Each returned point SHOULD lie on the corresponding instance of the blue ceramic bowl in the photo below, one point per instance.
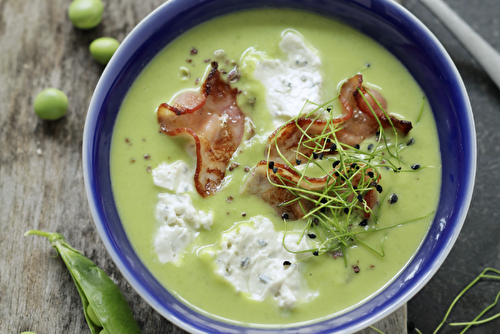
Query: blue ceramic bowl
(383, 20)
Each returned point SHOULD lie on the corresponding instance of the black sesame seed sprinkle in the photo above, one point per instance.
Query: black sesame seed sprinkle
(333, 148)
(271, 164)
(311, 235)
(315, 155)
(275, 170)
(379, 188)
(410, 142)
(370, 147)
(357, 147)
(370, 174)
(346, 210)
(315, 253)
(364, 222)
(394, 198)
(335, 163)
(321, 156)
(415, 167)
(287, 263)
(360, 197)
(298, 162)
(284, 216)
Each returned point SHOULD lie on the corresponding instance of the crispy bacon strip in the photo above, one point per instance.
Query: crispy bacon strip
(266, 183)
(215, 123)
(359, 123)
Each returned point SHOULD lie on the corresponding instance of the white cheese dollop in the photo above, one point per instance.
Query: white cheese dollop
(178, 219)
(290, 83)
(251, 257)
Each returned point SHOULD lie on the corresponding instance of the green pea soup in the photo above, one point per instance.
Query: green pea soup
(138, 147)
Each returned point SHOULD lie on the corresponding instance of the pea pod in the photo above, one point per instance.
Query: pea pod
(96, 290)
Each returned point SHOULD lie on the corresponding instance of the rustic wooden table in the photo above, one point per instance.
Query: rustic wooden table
(41, 183)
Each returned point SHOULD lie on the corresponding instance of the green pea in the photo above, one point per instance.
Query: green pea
(93, 317)
(102, 49)
(85, 14)
(51, 104)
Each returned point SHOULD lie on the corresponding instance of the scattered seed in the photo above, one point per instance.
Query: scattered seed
(356, 269)
(379, 188)
(335, 163)
(243, 214)
(298, 162)
(284, 216)
(275, 170)
(287, 263)
(410, 142)
(364, 222)
(315, 253)
(415, 167)
(312, 235)
(370, 147)
(271, 164)
(147, 156)
(357, 147)
(394, 198)
(193, 51)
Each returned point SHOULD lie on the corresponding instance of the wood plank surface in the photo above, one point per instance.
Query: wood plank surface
(41, 181)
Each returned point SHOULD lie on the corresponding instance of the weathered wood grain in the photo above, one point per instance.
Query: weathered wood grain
(41, 182)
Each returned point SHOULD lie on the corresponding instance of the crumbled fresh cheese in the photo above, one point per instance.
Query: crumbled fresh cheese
(175, 177)
(175, 213)
(252, 258)
(290, 83)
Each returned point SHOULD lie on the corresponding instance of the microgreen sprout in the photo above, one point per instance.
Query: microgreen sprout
(335, 204)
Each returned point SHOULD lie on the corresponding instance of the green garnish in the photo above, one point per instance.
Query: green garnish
(337, 213)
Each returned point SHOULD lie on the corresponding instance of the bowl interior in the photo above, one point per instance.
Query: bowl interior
(389, 24)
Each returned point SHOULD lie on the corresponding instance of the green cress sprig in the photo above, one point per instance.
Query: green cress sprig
(486, 274)
(106, 309)
(333, 220)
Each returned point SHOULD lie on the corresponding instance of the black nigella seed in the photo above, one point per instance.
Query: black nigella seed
(354, 187)
(311, 235)
(379, 188)
(415, 167)
(271, 164)
(346, 210)
(377, 133)
(337, 174)
(321, 156)
(371, 174)
(343, 177)
(357, 147)
(333, 148)
(353, 165)
(335, 163)
(394, 198)
(284, 216)
(364, 222)
(275, 170)
(360, 197)
(298, 162)
(315, 155)
(329, 109)
(315, 253)
(328, 140)
(410, 142)
(287, 263)
(322, 210)
(370, 147)
(315, 221)
(323, 200)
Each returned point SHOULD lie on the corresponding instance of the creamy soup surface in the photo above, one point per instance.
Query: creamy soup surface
(247, 40)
